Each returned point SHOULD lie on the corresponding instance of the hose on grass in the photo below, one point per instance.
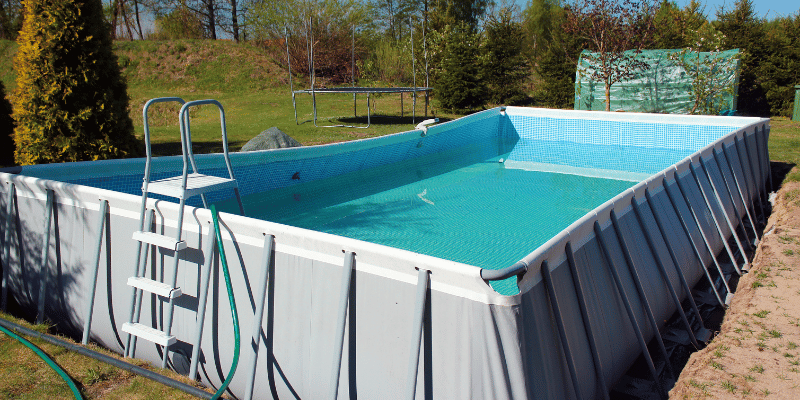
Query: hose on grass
(75, 391)
(234, 312)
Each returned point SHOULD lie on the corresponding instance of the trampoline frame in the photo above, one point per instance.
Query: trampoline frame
(354, 90)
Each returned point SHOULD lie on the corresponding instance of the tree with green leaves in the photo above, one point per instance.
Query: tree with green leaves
(504, 66)
(71, 103)
(6, 129)
(711, 70)
(616, 32)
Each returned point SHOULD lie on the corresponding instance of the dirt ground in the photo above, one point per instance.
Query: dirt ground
(757, 351)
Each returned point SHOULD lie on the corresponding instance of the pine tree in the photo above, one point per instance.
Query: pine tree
(504, 66)
(71, 103)
(459, 85)
(6, 128)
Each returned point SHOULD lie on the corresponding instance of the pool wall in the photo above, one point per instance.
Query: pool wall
(476, 343)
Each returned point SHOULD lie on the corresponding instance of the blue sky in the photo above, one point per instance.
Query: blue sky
(763, 8)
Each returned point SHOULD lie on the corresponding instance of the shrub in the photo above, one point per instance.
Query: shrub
(71, 103)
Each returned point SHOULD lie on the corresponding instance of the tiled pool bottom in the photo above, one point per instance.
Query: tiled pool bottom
(484, 214)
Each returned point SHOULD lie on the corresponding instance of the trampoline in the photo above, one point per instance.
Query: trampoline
(356, 90)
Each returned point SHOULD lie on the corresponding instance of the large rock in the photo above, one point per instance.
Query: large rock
(272, 138)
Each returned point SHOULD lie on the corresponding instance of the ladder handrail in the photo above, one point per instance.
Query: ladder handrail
(145, 120)
(186, 134)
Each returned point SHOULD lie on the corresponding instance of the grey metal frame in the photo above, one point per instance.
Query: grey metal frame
(12, 189)
(101, 222)
(48, 217)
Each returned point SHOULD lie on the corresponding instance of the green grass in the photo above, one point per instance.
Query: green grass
(784, 144)
(254, 91)
(26, 376)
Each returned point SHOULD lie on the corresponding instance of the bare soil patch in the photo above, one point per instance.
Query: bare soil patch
(757, 351)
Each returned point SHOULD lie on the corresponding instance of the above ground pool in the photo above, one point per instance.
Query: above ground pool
(547, 245)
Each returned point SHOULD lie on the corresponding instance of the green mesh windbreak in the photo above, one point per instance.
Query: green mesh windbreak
(666, 86)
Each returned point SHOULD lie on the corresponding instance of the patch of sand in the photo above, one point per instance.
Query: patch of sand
(757, 351)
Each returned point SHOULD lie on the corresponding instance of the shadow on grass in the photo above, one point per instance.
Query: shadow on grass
(381, 120)
(780, 171)
(174, 148)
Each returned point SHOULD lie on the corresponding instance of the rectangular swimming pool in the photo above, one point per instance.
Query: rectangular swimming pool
(580, 210)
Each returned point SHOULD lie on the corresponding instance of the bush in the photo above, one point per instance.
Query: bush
(6, 128)
(71, 103)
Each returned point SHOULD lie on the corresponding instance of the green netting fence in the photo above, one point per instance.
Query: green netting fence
(671, 83)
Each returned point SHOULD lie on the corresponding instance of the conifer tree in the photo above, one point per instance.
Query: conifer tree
(459, 85)
(504, 66)
(71, 101)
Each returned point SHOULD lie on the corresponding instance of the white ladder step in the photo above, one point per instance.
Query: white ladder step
(195, 184)
(160, 288)
(159, 240)
(148, 333)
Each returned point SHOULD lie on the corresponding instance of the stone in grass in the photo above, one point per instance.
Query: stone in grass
(272, 138)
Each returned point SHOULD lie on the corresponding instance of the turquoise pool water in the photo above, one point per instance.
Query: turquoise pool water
(483, 213)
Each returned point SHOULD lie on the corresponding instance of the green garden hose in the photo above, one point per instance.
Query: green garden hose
(47, 359)
(234, 313)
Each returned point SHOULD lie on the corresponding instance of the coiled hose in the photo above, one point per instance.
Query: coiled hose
(75, 391)
(234, 313)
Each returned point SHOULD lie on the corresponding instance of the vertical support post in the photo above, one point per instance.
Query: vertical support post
(716, 221)
(626, 253)
(598, 232)
(729, 190)
(710, 250)
(87, 325)
(752, 173)
(671, 252)
(338, 347)
(261, 293)
(651, 245)
(551, 293)
(48, 216)
(725, 213)
(10, 200)
(202, 299)
(416, 333)
(738, 187)
(755, 159)
(587, 323)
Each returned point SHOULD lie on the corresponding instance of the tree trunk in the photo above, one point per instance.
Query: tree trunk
(234, 21)
(212, 19)
(608, 96)
(114, 18)
(138, 20)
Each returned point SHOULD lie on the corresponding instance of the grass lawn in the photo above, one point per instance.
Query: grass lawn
(784, 146)
(26, 376)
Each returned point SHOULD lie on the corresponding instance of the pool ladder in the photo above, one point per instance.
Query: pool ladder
(181, 187)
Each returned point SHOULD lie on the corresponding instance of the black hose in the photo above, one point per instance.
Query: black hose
(110, 360)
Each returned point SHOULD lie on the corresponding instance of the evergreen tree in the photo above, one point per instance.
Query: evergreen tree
(743, 30)
(71, 103)
(505, 68)
(6, 128)
(459, 85)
